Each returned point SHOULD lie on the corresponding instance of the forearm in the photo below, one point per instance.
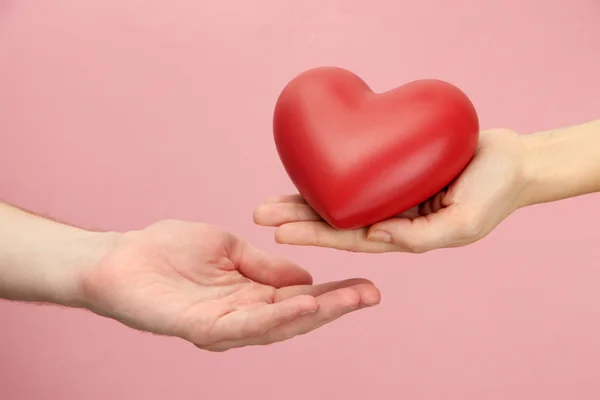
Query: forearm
(40, 259)
(562, 163)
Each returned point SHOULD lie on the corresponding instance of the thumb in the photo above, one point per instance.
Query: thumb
(269, 269)
(447, 227)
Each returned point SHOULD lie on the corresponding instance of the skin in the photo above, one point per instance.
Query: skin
(188, 280)
(509, 171)
(204, 285)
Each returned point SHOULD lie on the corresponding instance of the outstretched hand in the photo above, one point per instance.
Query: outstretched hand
(206, 286)
(489, 189)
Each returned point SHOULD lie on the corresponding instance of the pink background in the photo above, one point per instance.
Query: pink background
(116, 113)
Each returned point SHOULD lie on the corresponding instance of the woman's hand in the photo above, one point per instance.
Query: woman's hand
(493, 185)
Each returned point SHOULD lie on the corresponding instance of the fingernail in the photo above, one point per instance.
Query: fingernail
(308, 312)
(380, 236)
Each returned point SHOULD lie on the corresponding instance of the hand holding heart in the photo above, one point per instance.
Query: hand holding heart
(487, 191)
(378, 172)
(358, 157)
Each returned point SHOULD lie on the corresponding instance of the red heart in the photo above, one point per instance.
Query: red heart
(359, 157)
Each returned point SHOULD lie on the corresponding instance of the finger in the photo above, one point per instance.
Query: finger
(268, 269)
(332, 305)
(257, 321)
(447, 227)
(432, 205)
(438, 202)
(321, 234)
(276, 214)
(369, 294)
(287, 198)
(410, 213)
(425, 208)
(304, 325)
(275, 337)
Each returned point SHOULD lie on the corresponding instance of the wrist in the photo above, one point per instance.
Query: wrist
(79, 253)
(42, 260)
(533, 145)
(561, 163)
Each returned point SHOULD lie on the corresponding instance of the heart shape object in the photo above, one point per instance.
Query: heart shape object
(359, 157)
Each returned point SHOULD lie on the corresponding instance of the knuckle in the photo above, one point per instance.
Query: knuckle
(297, 211)
(317, 235)
(215, 348)
(497, 131)
(414, 245)
(353, 244)
(165, 223)
(415, 248)
(471, 228)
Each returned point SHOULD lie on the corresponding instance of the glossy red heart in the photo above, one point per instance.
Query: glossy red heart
(359, 157)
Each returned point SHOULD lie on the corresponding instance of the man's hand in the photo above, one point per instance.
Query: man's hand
(491, 187)
(174, 278)
(207, 286)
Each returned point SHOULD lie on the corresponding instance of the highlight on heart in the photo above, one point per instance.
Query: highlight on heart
(358, 157)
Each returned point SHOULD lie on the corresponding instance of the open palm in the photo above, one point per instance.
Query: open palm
(206, 286)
